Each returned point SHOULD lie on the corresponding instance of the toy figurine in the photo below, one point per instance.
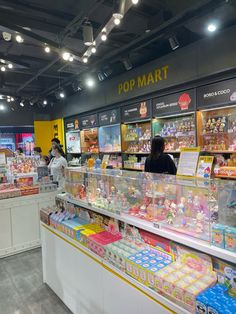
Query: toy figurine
(200, 218)
(171, 215)
(181, 206)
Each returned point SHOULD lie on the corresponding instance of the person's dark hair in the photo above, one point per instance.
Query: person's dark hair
(59, 148)
(38, 150)
(56, 140)
(20, 150)
(157, 147)
(47, 160)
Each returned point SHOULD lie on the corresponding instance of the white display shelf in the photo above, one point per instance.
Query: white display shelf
(149, 226)
(147, 291)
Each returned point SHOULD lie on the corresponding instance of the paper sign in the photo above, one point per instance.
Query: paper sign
(204, 168)
(188, 161)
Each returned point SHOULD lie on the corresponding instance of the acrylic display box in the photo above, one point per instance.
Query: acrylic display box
(178, 131)
(109, 139)
(188, 206)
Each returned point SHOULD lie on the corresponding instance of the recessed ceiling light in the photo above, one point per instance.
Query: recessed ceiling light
(10, 65)
(47, 49)
(93, 49)
(2, 107)
(90, 82)
(211, 28)
(3, 68)
(19, 39)
(66, 56)
(104, 36)
(85, 59)
(135, 1)
(22, 104)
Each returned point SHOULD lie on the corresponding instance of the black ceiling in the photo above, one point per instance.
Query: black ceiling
(59, 23)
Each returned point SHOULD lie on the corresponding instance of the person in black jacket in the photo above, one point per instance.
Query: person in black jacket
(158, 162)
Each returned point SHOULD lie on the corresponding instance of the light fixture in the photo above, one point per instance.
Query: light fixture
(118, 16)
(71, 59)
(101, 76)
(62, 94)
(31, 103)
(45, 102)
(94, 49)
(8, 99)
(19, 39)
(116, 21)
(3, 68)
(22, 104)
(2, 61)
(47, 49)
(211, 28)
(6, 36)
(2, 107)
(12, 98)
(104, 36)
(88, 34)
(76, 85)
(174, 43)
(90, 82)
(135, 1)
(127, 64)
(107, 71)
(10, 65)
(66, 56)
(85, 59)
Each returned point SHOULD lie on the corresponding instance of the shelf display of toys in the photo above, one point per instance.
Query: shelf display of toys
(136, 137)
(179, 132)
(217, 129)
(9, 190)
(25, 165)
(3, 174)
(109, 139)
(89, 140)
(133, 162)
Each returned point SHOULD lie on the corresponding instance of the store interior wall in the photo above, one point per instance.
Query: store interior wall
(187, 67)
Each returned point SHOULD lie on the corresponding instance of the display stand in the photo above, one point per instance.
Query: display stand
(19, 222)
(88, 284)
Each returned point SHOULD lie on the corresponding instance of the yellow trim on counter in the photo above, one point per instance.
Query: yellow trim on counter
(107, 268)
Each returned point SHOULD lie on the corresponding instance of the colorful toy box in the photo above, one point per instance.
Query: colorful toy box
(88, 231)
(224, 237)
(143, 265)
(215, 300)
(96, 242)
(73, 227)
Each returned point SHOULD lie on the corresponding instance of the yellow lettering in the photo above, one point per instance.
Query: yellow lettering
(142, 81)
(165, 69)
(126, 86)
(158, 75)
(120, 88)
(150, 78)
(132, 84)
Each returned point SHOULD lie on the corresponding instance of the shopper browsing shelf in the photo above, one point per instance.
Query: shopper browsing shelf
(55, 141)
(158, 162)
(57, 165)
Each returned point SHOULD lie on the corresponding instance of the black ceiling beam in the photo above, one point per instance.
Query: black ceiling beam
(14, 59)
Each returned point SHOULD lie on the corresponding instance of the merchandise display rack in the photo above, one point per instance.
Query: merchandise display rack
(163, 301)
(156, 229)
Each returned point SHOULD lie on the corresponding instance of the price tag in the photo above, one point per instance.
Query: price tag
(156, 225)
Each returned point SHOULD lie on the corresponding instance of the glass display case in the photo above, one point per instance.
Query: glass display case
(178, 132)
(109, 139)
(89, 140)
(73, 142)
(190, 207)
(136, 138)
(217, 130)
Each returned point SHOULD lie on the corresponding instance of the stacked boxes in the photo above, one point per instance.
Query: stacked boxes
(224, 237)
(117, 253)
(215, 300)
(183, 283)
(73, 227)
(88, 231)
(143, 265)
(96, 242)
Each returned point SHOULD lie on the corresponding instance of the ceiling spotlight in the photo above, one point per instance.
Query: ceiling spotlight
(2, 61)
(62, 94)
(45, 102)
(22, 104)
(6, 36)
(118, 16)
(10, 65)
(90, 82)
(116, 20)
(19, 39)
(66, 56)
(71, 59)
(88, 34)
(31, 103)
(3, 68)
(104, 36)
(135, 1)
(94, 49)
(12, 98)
(2, 107)
(127, 64)
(8, 99)
(211, 28)
(47, 49)
(85, 59)
(174, 43)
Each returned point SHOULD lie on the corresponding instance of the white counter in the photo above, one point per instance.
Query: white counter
(19, 222)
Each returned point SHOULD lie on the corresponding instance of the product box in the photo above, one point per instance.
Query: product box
(73, 227)
(230, 239)
(88, 230)
(218, 235)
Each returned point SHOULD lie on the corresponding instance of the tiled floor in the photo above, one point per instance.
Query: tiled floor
(21, 287)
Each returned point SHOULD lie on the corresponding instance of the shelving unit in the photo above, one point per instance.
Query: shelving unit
(156, 229)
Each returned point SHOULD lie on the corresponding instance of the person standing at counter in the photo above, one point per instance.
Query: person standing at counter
(57, 165)
(158, 162)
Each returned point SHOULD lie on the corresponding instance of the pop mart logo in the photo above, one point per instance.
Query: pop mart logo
(144, 80)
